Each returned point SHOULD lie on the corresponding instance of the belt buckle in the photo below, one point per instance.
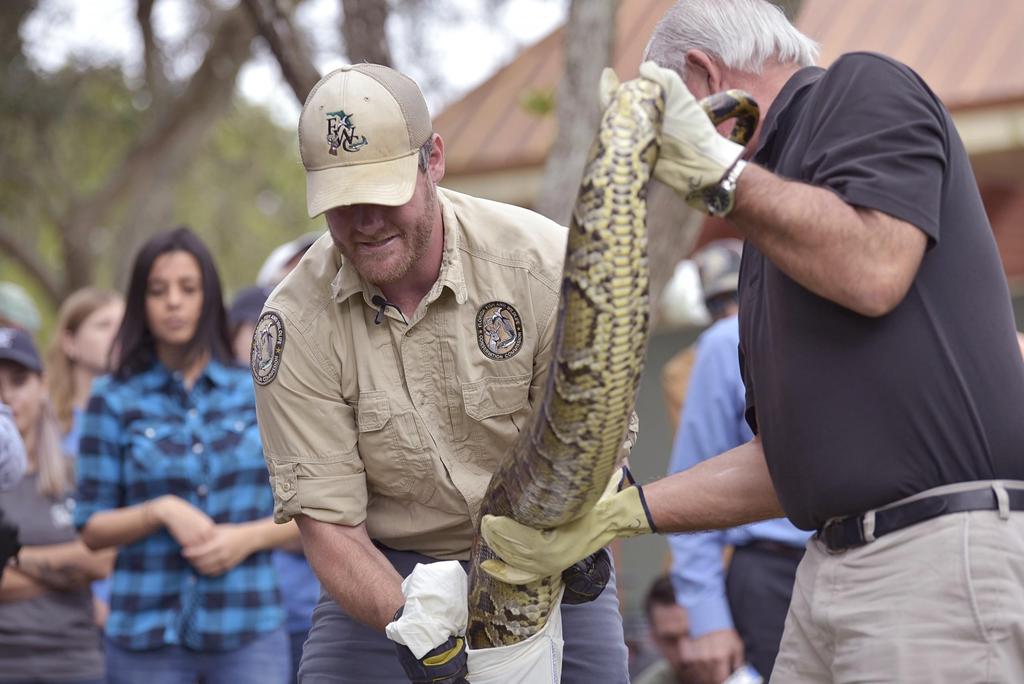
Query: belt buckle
(834, 529)
(829, 531)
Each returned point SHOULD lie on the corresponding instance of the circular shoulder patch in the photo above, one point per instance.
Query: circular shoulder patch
(267, 346)
(499, 330)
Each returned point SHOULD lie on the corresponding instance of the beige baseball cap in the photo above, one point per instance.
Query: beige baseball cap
(360, 132)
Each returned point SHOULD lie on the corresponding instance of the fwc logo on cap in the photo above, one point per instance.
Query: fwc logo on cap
(7, 337)
(341, 132)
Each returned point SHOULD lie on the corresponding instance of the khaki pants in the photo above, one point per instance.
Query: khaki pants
(940, 601)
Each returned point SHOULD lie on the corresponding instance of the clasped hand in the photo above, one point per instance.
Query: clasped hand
(211, 548)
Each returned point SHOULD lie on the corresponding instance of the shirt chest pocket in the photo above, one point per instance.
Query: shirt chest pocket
(156, 451)
(496, 411)
(394, 447)
(236, 438)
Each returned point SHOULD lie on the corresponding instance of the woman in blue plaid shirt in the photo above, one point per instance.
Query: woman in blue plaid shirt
(171, 471)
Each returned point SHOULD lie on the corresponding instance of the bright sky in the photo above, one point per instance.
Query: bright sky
(466, 53)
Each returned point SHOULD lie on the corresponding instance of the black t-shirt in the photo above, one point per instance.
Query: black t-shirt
(856, 412)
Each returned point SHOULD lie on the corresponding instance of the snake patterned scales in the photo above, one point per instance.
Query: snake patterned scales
(566, 454)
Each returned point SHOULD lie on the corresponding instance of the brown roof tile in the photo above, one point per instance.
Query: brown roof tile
(966, 51)
(489, 129)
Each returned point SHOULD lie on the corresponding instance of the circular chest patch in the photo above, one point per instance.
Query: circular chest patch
(499, 330)
(267, 346)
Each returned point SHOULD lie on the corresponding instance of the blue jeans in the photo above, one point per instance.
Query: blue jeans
(265, 659)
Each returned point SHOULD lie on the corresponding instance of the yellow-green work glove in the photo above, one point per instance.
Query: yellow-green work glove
(693, 157)
(531, 554)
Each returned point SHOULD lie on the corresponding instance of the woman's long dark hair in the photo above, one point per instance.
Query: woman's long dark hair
(135, 342)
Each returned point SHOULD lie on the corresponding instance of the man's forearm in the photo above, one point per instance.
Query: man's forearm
(861, 259)
(353, 571)
(730, 489)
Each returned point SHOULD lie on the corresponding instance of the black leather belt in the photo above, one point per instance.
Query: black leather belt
(774, 547)
(848, 533)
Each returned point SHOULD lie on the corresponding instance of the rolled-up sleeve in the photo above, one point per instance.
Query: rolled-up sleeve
(309, 434)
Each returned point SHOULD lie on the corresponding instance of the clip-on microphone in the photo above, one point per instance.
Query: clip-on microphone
(381, 305)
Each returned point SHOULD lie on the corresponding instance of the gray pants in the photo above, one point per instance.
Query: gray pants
(759, 586)
(340, 650)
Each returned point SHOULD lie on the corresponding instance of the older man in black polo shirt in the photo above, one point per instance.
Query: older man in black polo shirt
(884, 384)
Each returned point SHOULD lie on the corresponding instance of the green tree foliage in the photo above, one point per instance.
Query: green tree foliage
(246, 192)
(63, 134)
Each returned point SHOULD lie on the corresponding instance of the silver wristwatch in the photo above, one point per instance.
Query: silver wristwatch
(720, 199)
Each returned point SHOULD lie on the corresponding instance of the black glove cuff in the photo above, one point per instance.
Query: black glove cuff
(586, 579)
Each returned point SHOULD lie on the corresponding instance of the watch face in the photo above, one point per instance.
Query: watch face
(718, 200)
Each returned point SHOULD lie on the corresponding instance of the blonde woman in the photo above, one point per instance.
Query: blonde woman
(80, 351)
(46, 618)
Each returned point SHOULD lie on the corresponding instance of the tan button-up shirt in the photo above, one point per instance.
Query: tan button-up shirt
(401, 424)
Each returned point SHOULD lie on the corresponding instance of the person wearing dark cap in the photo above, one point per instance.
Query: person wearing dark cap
(46, 612)
(394, 368)
(242, 315)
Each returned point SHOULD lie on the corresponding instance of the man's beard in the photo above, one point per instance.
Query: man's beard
(416, 241)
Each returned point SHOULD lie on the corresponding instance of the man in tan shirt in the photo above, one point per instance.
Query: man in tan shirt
(396, 365)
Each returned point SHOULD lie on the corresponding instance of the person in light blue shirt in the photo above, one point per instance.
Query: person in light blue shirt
(736, 614)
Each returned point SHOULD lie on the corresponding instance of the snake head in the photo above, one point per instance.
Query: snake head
(609, 84)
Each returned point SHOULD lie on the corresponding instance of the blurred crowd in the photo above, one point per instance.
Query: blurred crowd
(136, 530)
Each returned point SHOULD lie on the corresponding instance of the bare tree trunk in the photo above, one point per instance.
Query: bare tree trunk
(156, 77)
(289, 48)
(144, 181)
(589, 39)
(364, 29)
(12, 13)
(672, 231)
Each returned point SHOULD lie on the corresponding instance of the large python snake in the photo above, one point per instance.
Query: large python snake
(565, 456)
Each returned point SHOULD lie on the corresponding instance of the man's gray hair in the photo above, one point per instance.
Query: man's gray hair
(741, 34)
(425, 151)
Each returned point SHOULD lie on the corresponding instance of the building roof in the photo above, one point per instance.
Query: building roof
(966, 51)
(490, 128)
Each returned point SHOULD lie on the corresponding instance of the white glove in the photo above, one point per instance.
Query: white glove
(693, 155)
(435, 607)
